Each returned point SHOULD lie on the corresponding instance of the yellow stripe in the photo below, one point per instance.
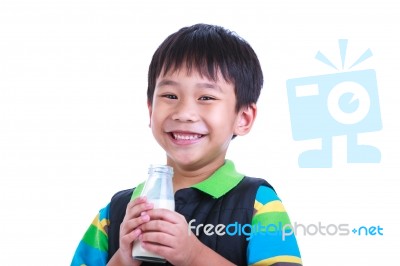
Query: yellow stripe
(276, 259)
(101, 225)
(257, 205)
(273, 206)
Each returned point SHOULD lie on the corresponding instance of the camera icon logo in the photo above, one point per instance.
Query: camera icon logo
(344, 103)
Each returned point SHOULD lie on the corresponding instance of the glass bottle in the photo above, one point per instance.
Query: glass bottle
(158, 190)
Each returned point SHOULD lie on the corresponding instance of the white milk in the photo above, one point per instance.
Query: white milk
(138, 252)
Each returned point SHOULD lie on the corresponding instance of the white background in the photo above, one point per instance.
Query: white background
(74, 123)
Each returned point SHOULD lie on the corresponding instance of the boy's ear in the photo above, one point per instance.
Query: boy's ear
(245, 120)
(149, 106)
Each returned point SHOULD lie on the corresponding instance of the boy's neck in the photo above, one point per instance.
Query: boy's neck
(187, 177)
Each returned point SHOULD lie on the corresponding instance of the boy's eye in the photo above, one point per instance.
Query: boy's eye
(206, 98)
(170, 96)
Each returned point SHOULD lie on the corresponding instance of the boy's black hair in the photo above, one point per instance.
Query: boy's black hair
(209, 49)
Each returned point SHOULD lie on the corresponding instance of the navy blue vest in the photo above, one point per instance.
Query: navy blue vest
(236, 206)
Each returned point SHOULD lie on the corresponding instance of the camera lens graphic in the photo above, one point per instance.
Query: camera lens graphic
(348, 102)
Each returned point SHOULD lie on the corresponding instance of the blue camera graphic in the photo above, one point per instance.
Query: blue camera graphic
(344, 103)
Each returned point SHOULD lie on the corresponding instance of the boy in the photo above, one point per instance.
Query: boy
(203, 85)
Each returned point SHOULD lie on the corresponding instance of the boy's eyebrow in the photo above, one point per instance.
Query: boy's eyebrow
(207, 85)
(166, 82)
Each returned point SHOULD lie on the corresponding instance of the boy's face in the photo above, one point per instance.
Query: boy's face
(194, 118)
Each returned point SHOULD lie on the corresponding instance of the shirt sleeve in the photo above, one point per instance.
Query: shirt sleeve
(272, 241)
(93, 248)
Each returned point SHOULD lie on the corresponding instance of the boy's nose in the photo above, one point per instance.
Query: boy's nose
(185, 112)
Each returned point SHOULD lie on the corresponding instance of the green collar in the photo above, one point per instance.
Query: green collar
(218, 184)
(221, 181)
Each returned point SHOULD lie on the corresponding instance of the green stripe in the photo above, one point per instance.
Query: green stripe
(137, 191)
(279, 219)
(96, 238)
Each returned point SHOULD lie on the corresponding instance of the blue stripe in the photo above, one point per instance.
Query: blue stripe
(265, 195)
(268, 245)
(88, 255)
(104, 213)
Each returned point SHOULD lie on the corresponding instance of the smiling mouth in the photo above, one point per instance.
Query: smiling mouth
(185, 136)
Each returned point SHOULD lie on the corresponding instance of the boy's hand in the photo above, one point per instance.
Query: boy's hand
(129, 231)
(166, 234)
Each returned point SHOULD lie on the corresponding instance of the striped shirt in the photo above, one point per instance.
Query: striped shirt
(271, 239)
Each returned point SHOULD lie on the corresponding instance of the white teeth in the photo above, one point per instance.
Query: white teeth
(186, 136)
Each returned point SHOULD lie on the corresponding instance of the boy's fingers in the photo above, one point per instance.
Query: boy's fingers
(157, 239)
(166, 215)
(130, 225)
(156, 226)
(136, 207)
(127, 239)
(137, 201)
(134, 223)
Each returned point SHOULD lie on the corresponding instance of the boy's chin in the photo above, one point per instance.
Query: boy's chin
(195, 163)
(184, 162)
